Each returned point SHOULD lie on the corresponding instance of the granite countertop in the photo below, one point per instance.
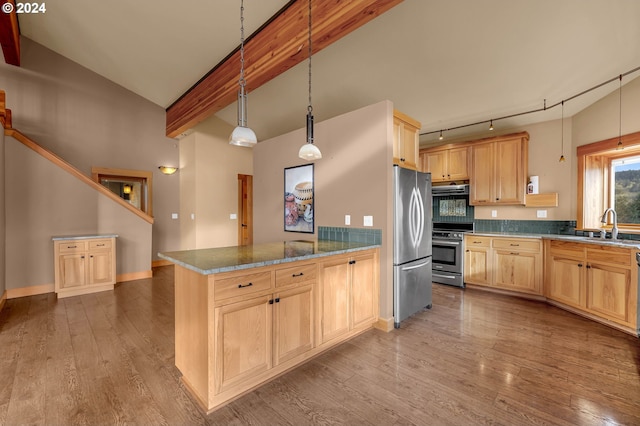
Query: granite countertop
(589, 240)
(224, 259)
(83, 237)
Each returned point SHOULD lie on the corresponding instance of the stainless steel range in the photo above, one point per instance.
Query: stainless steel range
(448, 252)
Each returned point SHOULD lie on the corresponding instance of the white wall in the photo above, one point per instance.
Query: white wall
(209, 168)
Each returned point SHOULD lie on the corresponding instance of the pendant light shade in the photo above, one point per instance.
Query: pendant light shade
(242, 135)
(309, 151)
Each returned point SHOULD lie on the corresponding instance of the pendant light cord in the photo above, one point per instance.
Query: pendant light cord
(242, 81)
(310, 108)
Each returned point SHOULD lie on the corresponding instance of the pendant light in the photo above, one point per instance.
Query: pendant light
(561, 160)
(242, 135)
(620, 116)
(309, 151)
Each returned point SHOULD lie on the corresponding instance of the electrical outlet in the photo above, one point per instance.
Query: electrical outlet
(368, 221)
(541, 213)
(193, 216)
(233, 216)
(174, 215)
(347, 219)
(494, 213)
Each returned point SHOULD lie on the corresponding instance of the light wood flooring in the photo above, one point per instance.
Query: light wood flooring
(475, 358)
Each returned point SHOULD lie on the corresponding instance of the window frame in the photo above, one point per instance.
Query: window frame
(594, 171)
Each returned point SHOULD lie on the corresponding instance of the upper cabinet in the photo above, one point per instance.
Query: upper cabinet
(449, 164)
(405, 140)
(499, 170)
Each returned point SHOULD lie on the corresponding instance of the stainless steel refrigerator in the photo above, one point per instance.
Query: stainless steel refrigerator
(412, 229)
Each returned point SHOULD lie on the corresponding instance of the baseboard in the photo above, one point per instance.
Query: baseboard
(34, 290)
(160, 262)
(131, 276)
(3, 300)
(384, 324)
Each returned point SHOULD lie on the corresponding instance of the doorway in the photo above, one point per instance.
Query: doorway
(245, 210)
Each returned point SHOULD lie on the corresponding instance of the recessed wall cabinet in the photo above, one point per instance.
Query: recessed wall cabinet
(512, 264)
(405, 140)
(450, 164)
(85, 264)
(596, 281)
(499, 170)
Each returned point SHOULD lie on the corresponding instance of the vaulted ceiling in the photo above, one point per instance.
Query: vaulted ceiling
(444, 62)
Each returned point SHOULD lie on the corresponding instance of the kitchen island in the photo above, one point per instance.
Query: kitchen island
(244, 315)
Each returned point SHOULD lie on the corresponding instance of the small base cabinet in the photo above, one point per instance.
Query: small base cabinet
(510, 264)
(84, 265)
(236, 330)
(597, 281)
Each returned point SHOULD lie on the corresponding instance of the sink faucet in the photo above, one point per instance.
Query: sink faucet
(614, 229)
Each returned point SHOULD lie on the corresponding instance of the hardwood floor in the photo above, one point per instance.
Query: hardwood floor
(475, 358)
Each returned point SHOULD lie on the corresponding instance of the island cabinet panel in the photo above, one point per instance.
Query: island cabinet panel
(84, 265)
(242, 341)
(597, 281)
(236, 330)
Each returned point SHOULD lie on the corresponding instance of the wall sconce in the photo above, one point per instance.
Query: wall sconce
(168, 170)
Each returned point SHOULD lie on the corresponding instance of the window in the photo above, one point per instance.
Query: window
(625, 189)
(609, 177)
(133, 186)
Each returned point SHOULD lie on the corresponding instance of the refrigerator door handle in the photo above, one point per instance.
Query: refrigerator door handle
(408, 268)
(416, 219)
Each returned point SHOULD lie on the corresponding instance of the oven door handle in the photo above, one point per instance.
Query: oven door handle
(451, 277)
(447, 243)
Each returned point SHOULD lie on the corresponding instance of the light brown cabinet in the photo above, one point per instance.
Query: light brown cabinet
(238, 329)
(499, 170)
(597, 280)
(405, 140)
(446, 164)
(512, 264)
(84, 265)
(348, 299)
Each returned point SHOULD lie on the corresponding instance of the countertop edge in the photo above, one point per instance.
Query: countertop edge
(596, 241)
(265, 263)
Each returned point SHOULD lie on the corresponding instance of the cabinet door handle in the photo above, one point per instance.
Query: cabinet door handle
(100, 245)
(514, 245)
(477, 242)
(72, 246)
(297, 275)
(245, 285)
(515, 254)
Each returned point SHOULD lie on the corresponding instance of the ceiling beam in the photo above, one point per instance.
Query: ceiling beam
(273, 49)
(10, 34)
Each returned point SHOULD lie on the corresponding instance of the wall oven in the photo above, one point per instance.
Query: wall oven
(448, 252)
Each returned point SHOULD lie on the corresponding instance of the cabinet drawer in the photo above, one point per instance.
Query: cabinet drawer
(241, 285)
(608, 254)
(475, 241)
(72, 246)
(100, 244)
(567, 248)
(296, 274)
(517, 244)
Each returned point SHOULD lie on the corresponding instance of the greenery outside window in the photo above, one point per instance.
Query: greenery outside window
(609, 177)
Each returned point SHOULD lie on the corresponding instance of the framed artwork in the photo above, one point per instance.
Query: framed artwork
(298, 199)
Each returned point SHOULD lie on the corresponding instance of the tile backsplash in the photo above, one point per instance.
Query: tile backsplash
(563, 227)
(359, 235)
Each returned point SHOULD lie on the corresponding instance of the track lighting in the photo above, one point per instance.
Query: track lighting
(441, 137)
(561, 160)
(491, 125)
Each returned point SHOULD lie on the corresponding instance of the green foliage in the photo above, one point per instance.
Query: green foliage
(627, 196)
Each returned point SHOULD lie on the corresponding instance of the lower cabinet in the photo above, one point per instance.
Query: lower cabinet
(84, 265)
(348, 295)
(236, 330)
(597, 280)
(513, 264)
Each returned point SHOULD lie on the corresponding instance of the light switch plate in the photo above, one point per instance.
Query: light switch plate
(541, 213)
(174, 215)
(347, 219)
(494, 213)
(233, 216)
(368, 221)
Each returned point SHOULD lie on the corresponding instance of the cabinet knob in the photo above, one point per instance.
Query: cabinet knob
(351, 262)
(402, 159)
(579, 265)
(588, 266)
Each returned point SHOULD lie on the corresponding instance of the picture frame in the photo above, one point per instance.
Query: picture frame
(299, 207)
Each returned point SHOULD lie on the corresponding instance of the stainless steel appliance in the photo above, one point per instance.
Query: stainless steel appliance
(449, 190)
(448, 252)
(411, 243)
